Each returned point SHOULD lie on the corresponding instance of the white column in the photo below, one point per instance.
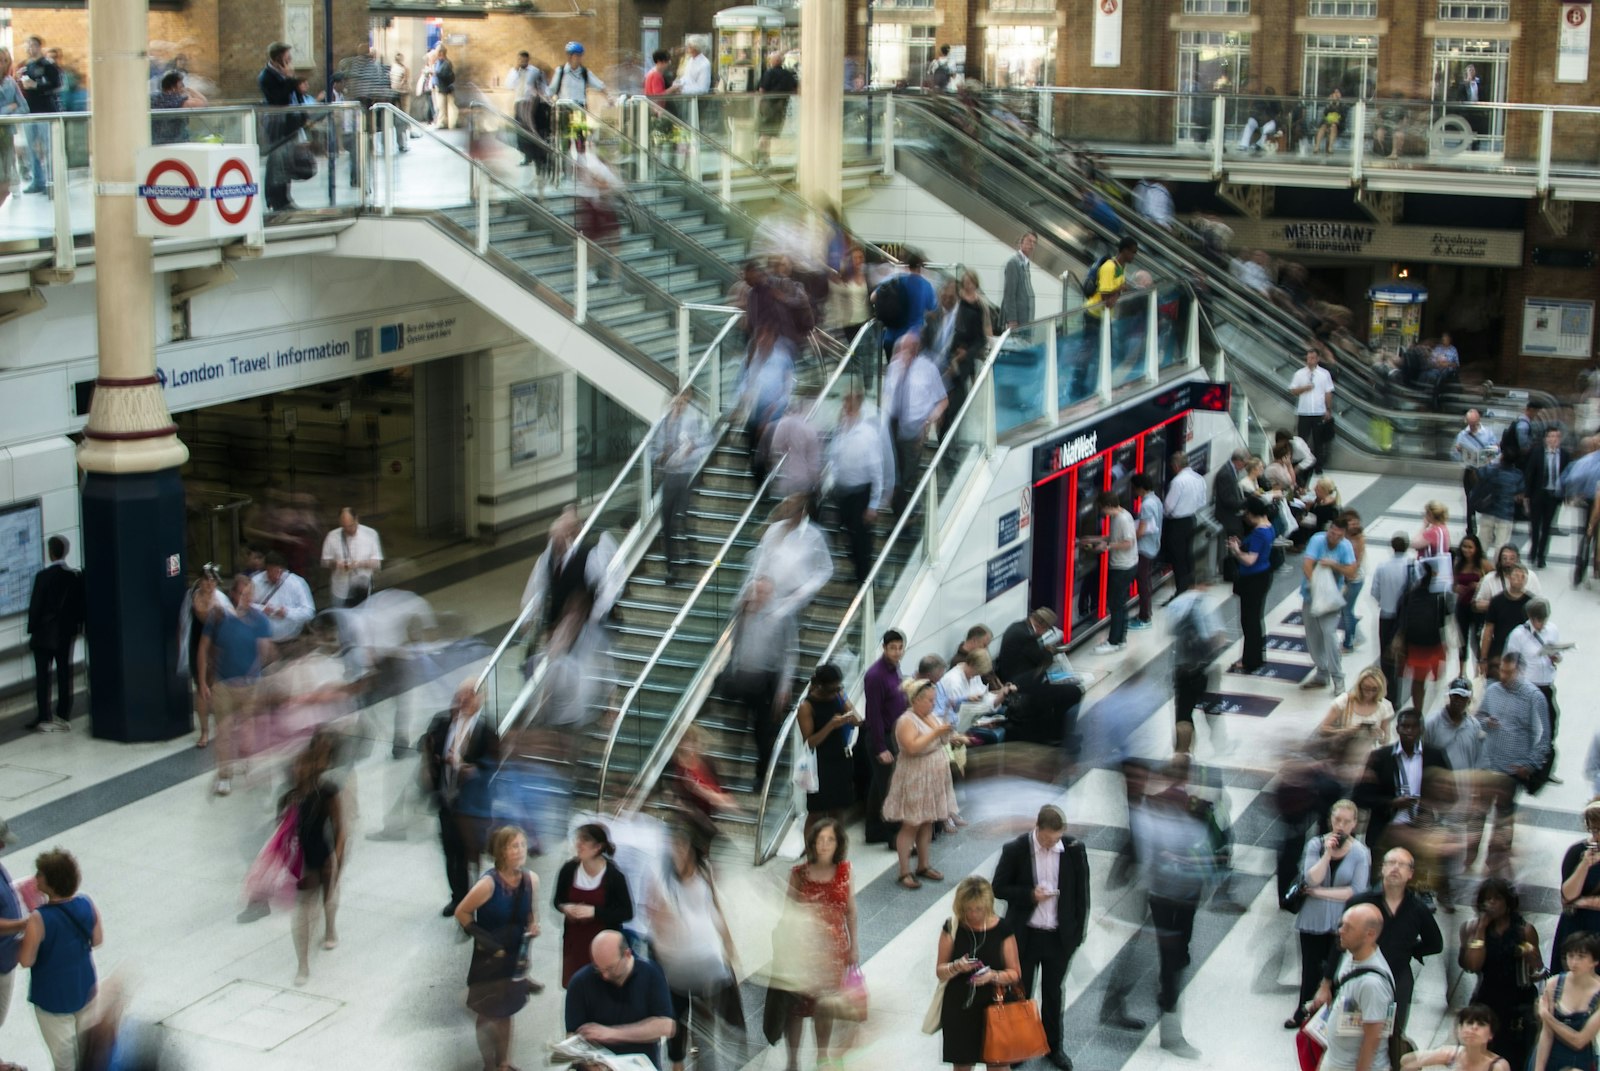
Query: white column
(821, 101)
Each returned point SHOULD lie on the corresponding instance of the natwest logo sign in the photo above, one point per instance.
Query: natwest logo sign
(199, 191)
(1073, 451)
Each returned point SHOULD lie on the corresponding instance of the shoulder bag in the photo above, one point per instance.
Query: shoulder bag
(1012, 1029)
(1312, 1040)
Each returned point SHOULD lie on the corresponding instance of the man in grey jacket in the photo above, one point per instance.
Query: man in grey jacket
(1516, 747)
(1016, 305)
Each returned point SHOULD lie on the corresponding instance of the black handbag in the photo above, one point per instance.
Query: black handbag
(302, 162)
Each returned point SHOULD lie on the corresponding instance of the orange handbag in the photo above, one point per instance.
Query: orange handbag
(1013, 1031)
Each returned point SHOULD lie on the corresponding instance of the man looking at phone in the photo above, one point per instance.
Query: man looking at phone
(1043, 876)
(1516, 745)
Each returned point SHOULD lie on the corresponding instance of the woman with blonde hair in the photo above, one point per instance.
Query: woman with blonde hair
(12, 102)
(1359, 720)
(501, 914)
(921, 791)
(977, 955)
(1323, 509)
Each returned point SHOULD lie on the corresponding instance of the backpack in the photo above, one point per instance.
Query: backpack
(1421, 621)
(561, 73)
(1091, 278)
(939, 77)
(1481, 497)
(889, 304)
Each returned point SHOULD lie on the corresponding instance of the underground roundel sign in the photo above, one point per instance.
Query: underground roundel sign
(199, 190)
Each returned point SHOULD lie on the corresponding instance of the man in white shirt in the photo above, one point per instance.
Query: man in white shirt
(1186, 496)
(861, 459)
(695, 79)
(1312, 387)
(1121, 544)
(1471, 448)
(794, 553)
(570, 87)
(352, 555)
(284, 597)
(914, 399)
(1538, 641)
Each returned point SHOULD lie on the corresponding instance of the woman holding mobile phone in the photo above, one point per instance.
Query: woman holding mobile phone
(1580, 884)
(977, 951)
(826, 718)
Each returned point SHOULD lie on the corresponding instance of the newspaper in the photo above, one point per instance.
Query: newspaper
(574, 1049)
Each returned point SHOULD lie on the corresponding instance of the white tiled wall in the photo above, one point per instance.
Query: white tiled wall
(898, 210)
(497, 372)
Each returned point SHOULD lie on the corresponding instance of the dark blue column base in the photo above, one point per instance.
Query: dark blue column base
(133, 552)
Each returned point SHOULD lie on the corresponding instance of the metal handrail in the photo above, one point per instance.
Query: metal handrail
(788, 196)
(975, 395)
(1179, 256)
(717, 561)
(559, 225)
(599, 507)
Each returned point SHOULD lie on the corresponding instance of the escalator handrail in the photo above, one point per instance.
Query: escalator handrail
(783, 193)
(974, 396)
(718, 561)
(595, 511)
(1219, 281)
(646, 286)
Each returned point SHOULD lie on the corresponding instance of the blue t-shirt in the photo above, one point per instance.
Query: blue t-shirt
(1257, 541)
(1317, 550)
(920, 300)
(592, 999)
(235, 637)
(1152, 514)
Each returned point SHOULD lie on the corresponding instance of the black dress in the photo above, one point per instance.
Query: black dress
(1512, 1001)
(963, 1017)
(835, 769)
(1579, 919)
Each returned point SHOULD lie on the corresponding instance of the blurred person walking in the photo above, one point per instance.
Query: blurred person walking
(1390, 583)
(241, 644)
(920, 790)
(860, 458)
(321, 827)
(1043, 876)
(692, 944)
(822, 882)
(352, 554)
(592, 896)
(760, 666)
(202, 599)
(1197, 638)
(681, 445)
(793, 554)
(443, 72)
(1329, 563)
(792, 451)
(458, 751)
(565, 569)
(778, 83)
(501, 915)
(57, 608)
(1252, 583)
(766, 386)
(58, 948)
(977, 958)
(1516, 721)
(914, 401)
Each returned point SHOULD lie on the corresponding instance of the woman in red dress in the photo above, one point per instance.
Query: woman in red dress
(823, 881)
(592, 895)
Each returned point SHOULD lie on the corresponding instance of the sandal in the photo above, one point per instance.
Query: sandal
(930, 873)
(907, 881)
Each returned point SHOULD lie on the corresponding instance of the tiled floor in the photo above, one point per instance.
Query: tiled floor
(165, 864)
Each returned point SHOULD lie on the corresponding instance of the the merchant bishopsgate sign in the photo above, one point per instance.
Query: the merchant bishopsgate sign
(1338, 238)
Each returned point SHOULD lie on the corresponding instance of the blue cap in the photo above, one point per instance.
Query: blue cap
(574, 46)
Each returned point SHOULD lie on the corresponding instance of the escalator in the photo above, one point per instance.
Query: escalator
(1035, 179)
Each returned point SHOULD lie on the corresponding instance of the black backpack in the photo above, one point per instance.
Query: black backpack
(1091, 278)
(1421, 617)
(889, 304)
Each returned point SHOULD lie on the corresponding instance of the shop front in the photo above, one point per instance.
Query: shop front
(1071, 469)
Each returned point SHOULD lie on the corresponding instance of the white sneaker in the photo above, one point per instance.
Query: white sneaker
(223, 787)
(54, 725)
(60, 725)
(1109, 648)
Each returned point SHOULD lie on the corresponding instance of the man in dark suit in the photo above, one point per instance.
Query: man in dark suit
(1541, 475)
(1391, 787)
(55, 617)
(458, 755)
(1044, 878)
(1044, 711)
(1227, 499)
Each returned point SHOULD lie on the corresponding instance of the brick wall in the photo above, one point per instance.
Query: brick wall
(1553, 374)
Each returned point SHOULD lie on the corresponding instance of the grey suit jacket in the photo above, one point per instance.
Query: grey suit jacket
(1016, 305)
